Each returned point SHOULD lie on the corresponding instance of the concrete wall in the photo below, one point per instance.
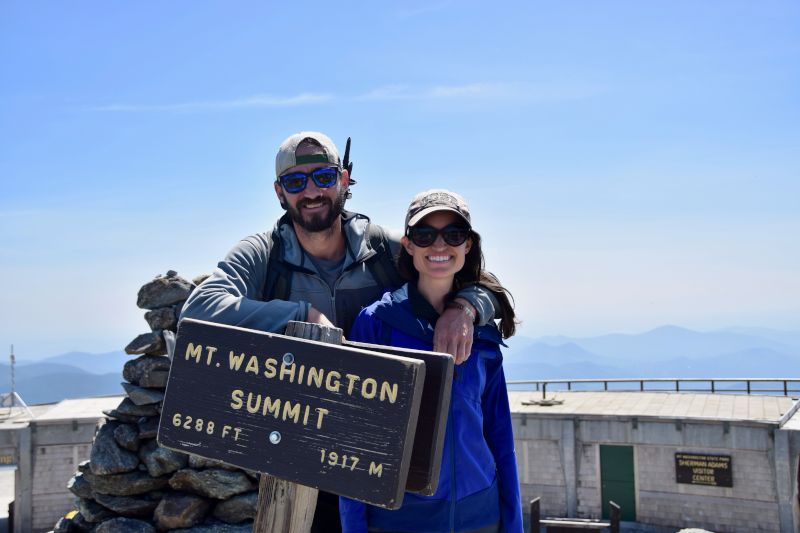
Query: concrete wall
(791, 477)
(763, 497)
(588, 489)
(542, 453)
(53, 466)
(541, 474)
(750, 505)
(49, 456)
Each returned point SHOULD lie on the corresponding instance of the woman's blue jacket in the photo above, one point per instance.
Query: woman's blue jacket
(478, 482)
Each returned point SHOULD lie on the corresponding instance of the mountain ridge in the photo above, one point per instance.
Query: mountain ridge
(668, 351)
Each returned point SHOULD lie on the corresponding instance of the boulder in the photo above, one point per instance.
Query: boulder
(107, 457)
(148, 427)
(75, 524)
(127, 436)
(180, 510)
(124, 525)
(128, 408)
(212, 483)
(79, 486)
(129, 412)
(92, 511)
(151, 343)
(162, 318)
(84, 466)
(237, 509)
(200, 463)
(127, 484)
(141, 507)
(160, 461)
(142, 396)
(147, 371)
(163, 291)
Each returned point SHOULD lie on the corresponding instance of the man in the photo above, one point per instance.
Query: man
(320, 264)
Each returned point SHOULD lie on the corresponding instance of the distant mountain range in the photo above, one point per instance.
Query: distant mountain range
(70, 375)
(665, 352)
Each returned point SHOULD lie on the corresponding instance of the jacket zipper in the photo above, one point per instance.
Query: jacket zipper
(338, 280)
(453, 493)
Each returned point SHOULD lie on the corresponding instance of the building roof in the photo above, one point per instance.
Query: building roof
(17, 416)
(665, 405)
(793, 423)
(77, 409)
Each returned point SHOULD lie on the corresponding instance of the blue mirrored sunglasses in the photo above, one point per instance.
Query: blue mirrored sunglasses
(295, 182)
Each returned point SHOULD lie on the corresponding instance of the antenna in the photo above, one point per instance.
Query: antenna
(13, 381)
(13, 397)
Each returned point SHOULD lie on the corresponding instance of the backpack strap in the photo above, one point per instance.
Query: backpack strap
(382, 266)
(278, 285)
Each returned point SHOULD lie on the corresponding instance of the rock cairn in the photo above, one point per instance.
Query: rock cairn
(132, 485)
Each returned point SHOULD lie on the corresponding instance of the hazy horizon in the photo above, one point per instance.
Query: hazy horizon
(520, 339)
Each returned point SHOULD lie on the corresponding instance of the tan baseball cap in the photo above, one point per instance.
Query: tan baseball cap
(287, 157)
(435, 200)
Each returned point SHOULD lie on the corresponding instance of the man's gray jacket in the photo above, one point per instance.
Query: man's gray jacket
(234, 294)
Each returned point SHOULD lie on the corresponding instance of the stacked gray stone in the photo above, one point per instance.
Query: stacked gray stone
(132, 485)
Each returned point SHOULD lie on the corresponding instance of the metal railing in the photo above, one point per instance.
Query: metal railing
(678, 384)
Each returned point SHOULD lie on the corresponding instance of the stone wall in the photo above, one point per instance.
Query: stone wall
(130, 484)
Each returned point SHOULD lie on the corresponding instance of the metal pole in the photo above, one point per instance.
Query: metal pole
(13, 380)
(535, 515)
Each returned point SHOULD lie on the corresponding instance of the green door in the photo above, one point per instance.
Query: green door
(616, 480)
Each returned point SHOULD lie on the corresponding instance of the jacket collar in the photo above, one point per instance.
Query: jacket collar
(397, 310)
(357, 246)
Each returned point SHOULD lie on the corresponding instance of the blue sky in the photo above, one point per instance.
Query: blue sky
(629, 164)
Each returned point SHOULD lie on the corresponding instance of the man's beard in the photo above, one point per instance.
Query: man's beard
(318, 222)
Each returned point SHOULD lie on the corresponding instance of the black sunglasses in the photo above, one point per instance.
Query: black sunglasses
(323, 178)
(424, 236)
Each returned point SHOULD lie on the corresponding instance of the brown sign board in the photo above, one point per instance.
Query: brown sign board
(337, 418)
(700, 469)
(426, 457)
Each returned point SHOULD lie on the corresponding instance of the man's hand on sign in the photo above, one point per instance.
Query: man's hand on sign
(315, 317)
(453, 332)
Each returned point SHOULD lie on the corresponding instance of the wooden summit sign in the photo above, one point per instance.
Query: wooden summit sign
(336, 418)
(426, 456)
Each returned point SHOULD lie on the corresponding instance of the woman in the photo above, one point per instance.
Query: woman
(478, 485)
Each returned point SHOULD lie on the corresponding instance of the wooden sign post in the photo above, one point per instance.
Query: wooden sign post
(283, 506)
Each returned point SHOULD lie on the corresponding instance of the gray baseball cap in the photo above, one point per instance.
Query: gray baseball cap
(435, 200)
(287, 158)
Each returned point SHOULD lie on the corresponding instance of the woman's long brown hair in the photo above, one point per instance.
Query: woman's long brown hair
(472, 273)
